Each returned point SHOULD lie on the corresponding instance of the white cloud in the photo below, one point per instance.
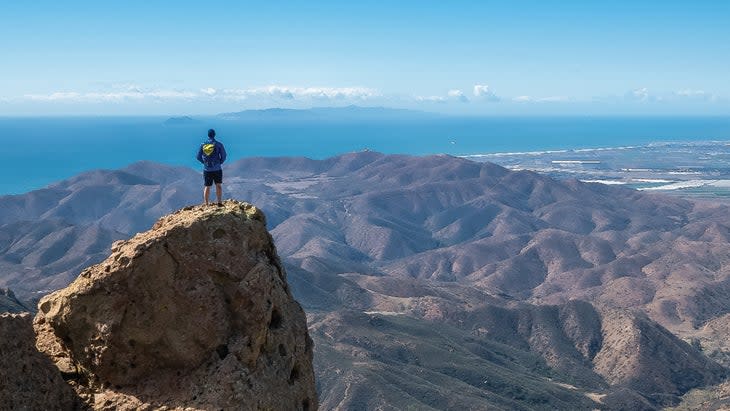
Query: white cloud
(640, 94)
(458, 95)
(451, 95)
(316, 93)
(275, 95)
(682, 96)
(482, 91)
(272, 91)
(230, 94)
(554, 99)
(695, 95)
(522, 98)
(171, 94)
(53, 96)
(127, 87)
(645, 95)
(431, 99)
(549, 99)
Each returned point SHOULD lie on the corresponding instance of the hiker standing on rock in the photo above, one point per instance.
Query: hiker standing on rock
(212, 154)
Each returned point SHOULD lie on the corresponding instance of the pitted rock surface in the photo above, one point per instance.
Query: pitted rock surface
(28, 380)
(195, 313)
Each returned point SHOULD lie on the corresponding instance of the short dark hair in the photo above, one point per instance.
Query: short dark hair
(211, 133)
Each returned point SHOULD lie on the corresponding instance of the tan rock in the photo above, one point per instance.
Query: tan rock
(28, 380)
(193, 314)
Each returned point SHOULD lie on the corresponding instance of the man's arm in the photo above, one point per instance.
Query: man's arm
(223, 154)
(199, 157)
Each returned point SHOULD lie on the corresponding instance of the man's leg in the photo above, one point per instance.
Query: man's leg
(206, 194)
(208, 181)
(219, 193)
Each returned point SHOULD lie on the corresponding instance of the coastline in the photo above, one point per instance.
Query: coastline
(586, 148)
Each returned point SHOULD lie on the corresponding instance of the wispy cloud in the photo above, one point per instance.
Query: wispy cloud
(135, 93)
(431, 99)
(701, 95)
(280, 95)
(643, 94)
(112, 96)
(295, 93)
(548, 99)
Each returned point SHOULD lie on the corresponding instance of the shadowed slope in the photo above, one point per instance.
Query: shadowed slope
(9, 303)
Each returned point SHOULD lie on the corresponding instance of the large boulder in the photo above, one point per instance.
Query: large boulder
(194, 313)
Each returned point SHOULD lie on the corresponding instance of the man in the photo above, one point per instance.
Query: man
(212, 154)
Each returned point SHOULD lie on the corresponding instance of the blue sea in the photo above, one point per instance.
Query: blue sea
(40, 151)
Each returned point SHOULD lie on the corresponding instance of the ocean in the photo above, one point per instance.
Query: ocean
(40, 151)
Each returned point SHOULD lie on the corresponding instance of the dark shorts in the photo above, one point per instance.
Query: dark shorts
(213, 176)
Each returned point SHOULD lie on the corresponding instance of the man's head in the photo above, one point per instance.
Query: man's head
(211, 133)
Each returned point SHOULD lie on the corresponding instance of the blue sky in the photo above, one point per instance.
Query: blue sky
(464, 57)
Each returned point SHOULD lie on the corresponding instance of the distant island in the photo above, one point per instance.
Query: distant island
(348, 113)
(351, 112)
(180, 121)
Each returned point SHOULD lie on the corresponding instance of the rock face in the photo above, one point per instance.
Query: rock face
(28, 379)
(193, 313)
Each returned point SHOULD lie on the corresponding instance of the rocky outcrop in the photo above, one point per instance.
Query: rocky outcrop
(9, 303)
(28, 379)
(195, 313)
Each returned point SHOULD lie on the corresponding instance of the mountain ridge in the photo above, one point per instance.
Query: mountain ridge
(431, 239)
